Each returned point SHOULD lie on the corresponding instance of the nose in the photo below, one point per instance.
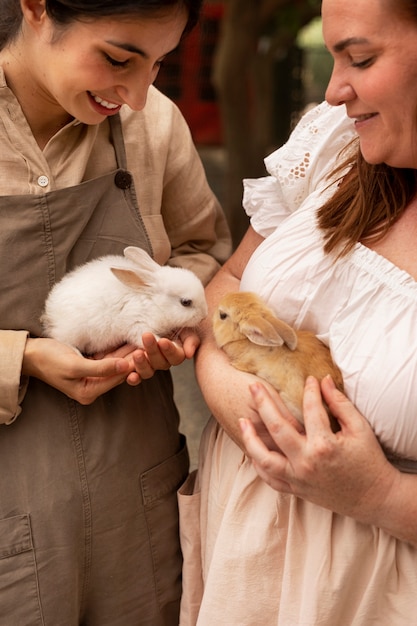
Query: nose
(134, 90)
(339, 90)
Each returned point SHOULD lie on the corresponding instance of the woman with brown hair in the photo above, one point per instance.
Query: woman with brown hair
(306, 526)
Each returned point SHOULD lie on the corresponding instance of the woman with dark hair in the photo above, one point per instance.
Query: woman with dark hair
(299, 525)
(93, 159)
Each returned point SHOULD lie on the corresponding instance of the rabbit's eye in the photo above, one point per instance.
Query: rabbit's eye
(186, 302)
(222, 315)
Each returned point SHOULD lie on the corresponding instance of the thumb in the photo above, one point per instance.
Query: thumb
(103, 368)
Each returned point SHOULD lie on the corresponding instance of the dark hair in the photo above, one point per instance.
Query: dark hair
(370, 198)
(64, 12)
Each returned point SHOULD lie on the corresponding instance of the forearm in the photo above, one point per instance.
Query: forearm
(392, 505)
(225, 390)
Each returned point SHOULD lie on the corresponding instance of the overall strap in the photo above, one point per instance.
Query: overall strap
(116, 133)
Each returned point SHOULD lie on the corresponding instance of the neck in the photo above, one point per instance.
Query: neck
(44, 117)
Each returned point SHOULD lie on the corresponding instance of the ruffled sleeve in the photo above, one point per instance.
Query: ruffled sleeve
(297, 168)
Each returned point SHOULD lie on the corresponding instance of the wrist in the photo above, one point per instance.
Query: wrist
(30, 357)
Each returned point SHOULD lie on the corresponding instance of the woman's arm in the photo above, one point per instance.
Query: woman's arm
(345, 472)
(225, 389)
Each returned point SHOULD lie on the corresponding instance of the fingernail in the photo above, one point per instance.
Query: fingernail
(255, 389)
(330, 381)
(243, 424)
(121, 366)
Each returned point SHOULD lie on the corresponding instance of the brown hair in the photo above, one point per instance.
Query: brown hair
(370, 198)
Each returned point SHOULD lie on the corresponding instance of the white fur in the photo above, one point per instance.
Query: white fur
(115, 299)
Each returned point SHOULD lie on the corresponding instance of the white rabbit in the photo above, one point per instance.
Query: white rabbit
(115, 299)
(256, 341)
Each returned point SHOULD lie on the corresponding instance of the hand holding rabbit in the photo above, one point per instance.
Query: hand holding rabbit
(346, 472)
(79, 378)
(114, 300)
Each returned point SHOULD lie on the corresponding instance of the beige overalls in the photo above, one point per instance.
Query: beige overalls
(88, 509)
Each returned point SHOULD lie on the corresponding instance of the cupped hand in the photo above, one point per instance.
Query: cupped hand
(345, 471)
(79, 378)
(161, 354)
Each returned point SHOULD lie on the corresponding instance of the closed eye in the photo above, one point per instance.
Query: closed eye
(363, 64)
(114, 62)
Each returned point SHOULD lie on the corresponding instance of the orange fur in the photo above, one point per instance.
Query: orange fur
(256, 341)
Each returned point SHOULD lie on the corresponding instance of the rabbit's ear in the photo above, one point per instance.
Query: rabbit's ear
(141, 258)
(269, 332)
(129, 278)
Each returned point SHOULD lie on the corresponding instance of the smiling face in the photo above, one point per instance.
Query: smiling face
(375, 76)
(88, 70)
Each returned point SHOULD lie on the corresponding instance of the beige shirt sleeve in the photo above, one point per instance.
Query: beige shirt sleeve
(12, 385)
(183, 217)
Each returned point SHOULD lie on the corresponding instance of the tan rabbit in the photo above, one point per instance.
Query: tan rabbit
(256, 341)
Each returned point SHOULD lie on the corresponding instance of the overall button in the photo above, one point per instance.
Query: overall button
(43, 181)
(123, 179)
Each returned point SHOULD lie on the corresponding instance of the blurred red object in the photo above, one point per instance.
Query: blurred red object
(185, 77)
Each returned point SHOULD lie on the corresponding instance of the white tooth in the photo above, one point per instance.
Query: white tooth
(104, 103)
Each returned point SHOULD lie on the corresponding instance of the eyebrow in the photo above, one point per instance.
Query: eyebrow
(350, 41)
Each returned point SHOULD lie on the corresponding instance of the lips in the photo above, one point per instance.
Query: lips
(364, 117)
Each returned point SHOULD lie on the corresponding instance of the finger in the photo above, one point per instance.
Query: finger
(172, 352)
(157, 359)
(316, 417)
(255, 447)
(285, 435)
(133, 379)
(272, 479)
(266, 462)
(190, 341)
(143, 368)
(341, 407)
(104, 368)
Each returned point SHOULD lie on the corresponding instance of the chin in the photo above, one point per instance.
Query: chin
(372, 159)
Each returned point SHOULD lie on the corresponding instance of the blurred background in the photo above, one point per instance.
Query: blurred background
(242, 79)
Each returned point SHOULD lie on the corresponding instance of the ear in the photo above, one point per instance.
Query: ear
(34, 11)
(269, 332)
(141, 258)
(129, 278)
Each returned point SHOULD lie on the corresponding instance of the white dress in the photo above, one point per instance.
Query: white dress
(269, 559)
